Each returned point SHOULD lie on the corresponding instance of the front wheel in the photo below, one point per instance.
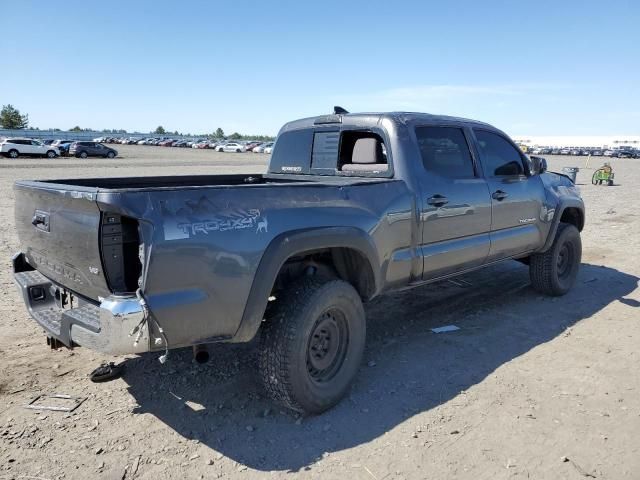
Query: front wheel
(83, 155)
(14, 153)
(554, 272)
(312, 345)
(51, 154)
(111, 155)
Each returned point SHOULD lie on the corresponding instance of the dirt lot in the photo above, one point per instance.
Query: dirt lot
(530, 387)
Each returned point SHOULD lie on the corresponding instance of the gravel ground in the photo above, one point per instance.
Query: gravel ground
(530, 387)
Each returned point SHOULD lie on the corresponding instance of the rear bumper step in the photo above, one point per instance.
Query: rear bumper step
(104, 327)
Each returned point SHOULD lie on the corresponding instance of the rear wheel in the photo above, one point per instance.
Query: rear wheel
(82, 154)
(13, 153)
(312, 345)
(237, 150)
(554, 272)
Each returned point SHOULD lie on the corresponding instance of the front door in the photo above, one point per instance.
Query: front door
(35, 148)
(517, 198)
(456, 207)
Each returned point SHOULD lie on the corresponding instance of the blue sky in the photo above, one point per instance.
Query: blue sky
(528, 67)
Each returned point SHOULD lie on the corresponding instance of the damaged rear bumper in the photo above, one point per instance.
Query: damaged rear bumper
(104, 327)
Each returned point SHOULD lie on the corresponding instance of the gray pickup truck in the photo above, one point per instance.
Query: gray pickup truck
(352, 206)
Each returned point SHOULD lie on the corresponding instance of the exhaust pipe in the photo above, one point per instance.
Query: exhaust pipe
(201, 353)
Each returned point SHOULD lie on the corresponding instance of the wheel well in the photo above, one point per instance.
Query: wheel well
(573, 216)
(342, 262)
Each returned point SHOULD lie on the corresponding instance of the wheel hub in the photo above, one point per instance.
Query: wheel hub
(327, 346)
(564, 260)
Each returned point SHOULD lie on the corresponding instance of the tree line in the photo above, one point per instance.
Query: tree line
(11, 118)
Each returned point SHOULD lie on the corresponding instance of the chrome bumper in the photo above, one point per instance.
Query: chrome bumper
(104, 327)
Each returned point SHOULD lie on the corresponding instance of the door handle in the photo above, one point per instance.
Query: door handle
(438, 200)
(499, 195)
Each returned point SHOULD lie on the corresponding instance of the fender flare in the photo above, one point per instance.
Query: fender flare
(562, 206)
(288, 244)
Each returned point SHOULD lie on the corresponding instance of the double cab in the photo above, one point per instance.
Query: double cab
(352, 206)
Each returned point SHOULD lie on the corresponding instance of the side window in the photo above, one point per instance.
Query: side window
(445, 152)
(499, 157)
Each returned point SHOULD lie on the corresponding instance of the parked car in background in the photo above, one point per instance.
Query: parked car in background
(16, 147)
(268, 150)
(91, 149)
(234, 147)
(260, 148)
(625, 152)
(63, 146)
(251, 145)
(202, 144)
(47, 141)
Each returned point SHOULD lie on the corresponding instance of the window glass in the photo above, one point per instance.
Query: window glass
(292, 152)
(445, 152)
(325, 150)
(499, 157)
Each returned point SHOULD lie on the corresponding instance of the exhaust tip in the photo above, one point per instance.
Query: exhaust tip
(201, 353)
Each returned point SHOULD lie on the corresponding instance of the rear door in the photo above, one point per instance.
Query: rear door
(455, 203)
(517, 199)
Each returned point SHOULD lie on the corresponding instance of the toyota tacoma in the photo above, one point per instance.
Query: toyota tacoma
(352, 206)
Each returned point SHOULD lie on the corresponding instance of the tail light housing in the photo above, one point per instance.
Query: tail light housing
(119, 246)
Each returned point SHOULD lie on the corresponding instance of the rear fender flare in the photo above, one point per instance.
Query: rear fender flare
(287, 245)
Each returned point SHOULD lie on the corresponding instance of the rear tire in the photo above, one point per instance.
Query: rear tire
(312, 345)
(82, 154)
(554, 272)
(13, 153)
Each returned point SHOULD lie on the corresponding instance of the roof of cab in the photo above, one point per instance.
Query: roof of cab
(374, 118)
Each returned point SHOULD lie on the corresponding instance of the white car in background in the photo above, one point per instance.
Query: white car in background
(268, 149)
(15, 147)
(261, 148)
(233, 147)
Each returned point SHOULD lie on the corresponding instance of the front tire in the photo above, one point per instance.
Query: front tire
(312, 345)
(51, 154)
(111, 155)
(554, 272)
(82, 154)
(14, 153)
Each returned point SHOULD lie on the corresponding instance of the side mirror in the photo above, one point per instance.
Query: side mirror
(538, 165)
